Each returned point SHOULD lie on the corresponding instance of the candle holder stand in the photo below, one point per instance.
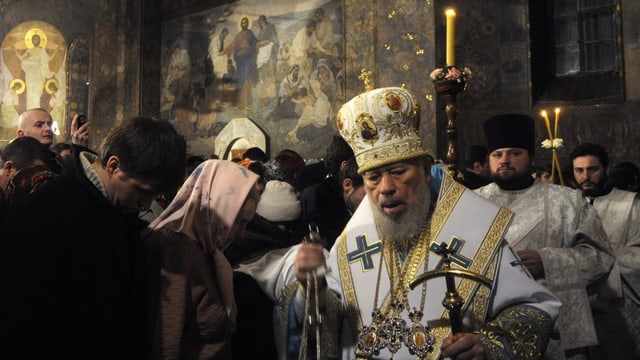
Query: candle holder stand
(449, 90)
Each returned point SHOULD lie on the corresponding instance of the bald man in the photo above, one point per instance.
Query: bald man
(37, 123)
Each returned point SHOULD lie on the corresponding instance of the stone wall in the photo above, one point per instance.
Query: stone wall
(113, 32)
(382, 36)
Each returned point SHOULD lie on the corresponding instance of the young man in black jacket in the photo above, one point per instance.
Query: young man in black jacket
(71, 265)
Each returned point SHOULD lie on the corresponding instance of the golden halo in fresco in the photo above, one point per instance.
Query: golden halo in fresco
(240, 22)
(47, 86)
(21, 85)
(35, 31)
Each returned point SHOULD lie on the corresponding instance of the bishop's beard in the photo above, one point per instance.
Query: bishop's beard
(408, 224)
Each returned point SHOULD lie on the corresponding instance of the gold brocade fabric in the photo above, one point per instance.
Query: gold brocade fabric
(329, 332)
(360, 298)
(525, 328)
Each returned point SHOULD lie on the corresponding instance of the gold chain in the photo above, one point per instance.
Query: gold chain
(388, 330)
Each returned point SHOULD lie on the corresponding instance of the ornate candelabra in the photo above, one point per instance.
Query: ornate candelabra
(449, 82)
(449, 90)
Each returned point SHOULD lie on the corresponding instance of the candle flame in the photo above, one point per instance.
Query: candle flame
(544, 115)
(553, 143)
(556, 121)
(450, 12)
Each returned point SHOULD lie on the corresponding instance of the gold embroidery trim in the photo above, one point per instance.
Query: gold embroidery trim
(348, 290)
(450, 195)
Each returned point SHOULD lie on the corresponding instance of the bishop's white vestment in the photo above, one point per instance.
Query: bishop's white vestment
(516, 310)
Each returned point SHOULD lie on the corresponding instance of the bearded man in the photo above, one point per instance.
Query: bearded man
(556, 233)
(616, 311)
(371, 305)
(244, 49)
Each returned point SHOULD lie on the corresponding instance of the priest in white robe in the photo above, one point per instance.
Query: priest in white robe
(616, 310)
(556, 233)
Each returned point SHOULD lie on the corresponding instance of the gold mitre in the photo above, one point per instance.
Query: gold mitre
(381, 126)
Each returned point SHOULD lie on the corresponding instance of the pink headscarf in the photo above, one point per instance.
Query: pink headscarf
(205, 209)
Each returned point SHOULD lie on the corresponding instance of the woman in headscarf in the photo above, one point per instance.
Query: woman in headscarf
(291, 87)
(191, 282)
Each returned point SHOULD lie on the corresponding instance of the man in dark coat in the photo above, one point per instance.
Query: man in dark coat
(475, 173)
(71, 265)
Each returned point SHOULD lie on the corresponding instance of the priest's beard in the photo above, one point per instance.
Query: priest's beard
(598, 189)
(407, 225)
(516, 181)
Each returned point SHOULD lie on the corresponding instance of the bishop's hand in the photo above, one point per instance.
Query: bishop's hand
(310, 257)
(463, 346)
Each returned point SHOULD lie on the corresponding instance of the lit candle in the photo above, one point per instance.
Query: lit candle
(544, 115)
(451, 35)
(557, 120)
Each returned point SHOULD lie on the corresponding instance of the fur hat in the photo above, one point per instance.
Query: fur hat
(510, 131)
(279, 202)
(381, 126)
(273, 170)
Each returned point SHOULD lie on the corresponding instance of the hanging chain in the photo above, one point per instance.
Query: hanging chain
(313, 318)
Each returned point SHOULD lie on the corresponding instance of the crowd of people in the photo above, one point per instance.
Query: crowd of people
(137, 250)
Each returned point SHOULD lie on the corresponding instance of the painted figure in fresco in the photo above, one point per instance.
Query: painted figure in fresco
(324, 75)
(316, 110)
(290, 87)
(9, 102)
(324, 28)
(219, 62)
(283, 65)
(177, 79)
(35, 64)
(305, 46)
(217, 55)
(269, 44)
(56, 100)
(244, 51)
